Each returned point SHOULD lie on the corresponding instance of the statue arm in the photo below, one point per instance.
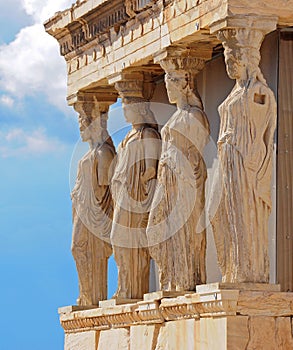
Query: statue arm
(102, 172)
(262, 115)
(268, 135)
(152, 154)
(104, 160)
(203, 129)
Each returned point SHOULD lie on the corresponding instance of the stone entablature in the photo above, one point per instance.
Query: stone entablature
(102, 38)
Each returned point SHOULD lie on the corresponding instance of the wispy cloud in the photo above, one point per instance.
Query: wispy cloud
(44, 9)
(18, 143)
(7, 101)
(31, 64)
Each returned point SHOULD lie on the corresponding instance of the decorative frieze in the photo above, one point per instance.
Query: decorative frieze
(82, 31)
(210, 301)
(183, 307)
(135, 6)
(91, 27)
(149, 312)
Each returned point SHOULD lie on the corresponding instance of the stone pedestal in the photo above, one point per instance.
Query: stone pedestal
(217, 316)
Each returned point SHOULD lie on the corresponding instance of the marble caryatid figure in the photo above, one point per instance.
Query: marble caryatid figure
(245, 146)
(133, 186)
(92, 206)
(176, 228)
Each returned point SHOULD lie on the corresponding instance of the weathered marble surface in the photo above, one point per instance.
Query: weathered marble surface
(213, 318)
(101, 38)
(133, 185)
(176, 228)
(245, 147)
(92, 206)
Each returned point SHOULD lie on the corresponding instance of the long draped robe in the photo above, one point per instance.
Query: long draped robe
(176, 228)
(92, 220)
(245, 146)
(132, 200)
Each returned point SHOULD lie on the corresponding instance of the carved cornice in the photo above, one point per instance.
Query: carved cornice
(135, 6)
(180, 308)
(210, 301)
(91, 26)
(149, 312)
(94, 27)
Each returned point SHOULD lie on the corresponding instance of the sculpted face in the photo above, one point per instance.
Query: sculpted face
(129, 112)
(84, 128)
(236, 63)
(172, 88)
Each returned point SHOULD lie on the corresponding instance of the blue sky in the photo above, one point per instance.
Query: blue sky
(38, 134)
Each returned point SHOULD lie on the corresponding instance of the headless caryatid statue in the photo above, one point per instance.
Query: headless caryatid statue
(176, 228)
(132, 187)
(93, 208)
(245, 146)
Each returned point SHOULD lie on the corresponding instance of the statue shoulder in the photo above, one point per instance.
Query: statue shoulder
(105, 151)
(201, 117)
(260, 88)
(149, 133)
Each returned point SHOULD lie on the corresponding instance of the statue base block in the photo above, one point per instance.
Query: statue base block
(240, 286)
(213, 318)
(163, 294)
(117, 301)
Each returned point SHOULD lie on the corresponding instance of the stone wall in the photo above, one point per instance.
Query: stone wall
(212, 318)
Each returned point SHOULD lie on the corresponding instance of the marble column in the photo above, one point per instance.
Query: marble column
(245, 151)
(133, 185)
(92, 200)
(176, 228)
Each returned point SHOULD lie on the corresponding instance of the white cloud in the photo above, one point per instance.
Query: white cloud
(6, 101)
(41, 10)
(31, 64)
(17, 142)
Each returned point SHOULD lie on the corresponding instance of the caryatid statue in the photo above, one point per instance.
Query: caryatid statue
(176, 228)
(245, 149)
(92, 204)
(133, 186)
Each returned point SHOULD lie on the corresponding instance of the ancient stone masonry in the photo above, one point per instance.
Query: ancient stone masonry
(92, 28)
(148, 199)
(215, 317)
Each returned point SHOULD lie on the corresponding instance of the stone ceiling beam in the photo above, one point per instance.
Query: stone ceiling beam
(99, 95)
(101, 39)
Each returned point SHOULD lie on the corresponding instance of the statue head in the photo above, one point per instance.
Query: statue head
(241, 50)
(137, 111)
(92, 121)
(180, 79)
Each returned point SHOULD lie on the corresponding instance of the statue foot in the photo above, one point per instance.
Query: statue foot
(83, 301)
